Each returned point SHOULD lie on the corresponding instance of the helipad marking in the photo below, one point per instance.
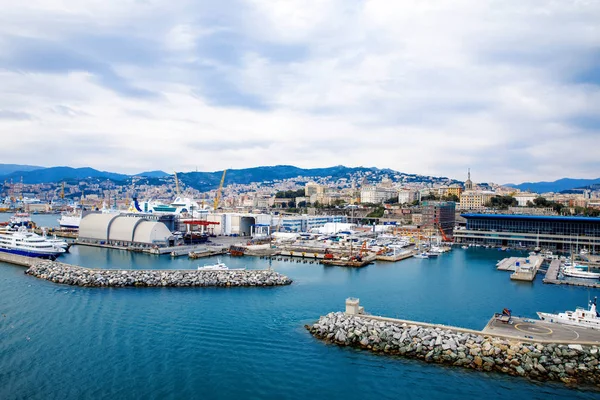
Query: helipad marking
(550, 332)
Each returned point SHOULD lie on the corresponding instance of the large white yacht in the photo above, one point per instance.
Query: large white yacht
(580, 317)
(29, 244)
(579, 271)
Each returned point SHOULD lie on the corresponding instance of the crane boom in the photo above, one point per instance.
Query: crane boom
(218, 195)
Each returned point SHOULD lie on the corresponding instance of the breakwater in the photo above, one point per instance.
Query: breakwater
(569, 363)
(78, 276)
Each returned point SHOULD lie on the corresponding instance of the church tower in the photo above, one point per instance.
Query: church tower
(468, 182)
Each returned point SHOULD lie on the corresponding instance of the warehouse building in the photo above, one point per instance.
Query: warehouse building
(123, 230)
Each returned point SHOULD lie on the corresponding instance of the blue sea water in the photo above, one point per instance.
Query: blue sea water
(62, 342)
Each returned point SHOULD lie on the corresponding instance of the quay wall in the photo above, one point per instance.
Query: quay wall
(569, 363)
(17, 260)
(78, 276)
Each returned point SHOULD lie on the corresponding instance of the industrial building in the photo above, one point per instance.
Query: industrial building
(123, 230)
(304, 223)
(239, 224)
(547, 232)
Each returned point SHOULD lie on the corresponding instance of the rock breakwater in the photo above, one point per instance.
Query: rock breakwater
(571, 364)
(78, 276)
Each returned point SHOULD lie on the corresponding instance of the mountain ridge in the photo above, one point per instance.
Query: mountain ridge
(556, 186)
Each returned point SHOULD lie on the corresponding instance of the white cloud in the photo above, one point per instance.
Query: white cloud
(423, 87)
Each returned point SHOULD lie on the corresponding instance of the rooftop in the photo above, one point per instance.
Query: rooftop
(532, 217)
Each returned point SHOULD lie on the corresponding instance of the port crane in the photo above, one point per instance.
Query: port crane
(218, 195)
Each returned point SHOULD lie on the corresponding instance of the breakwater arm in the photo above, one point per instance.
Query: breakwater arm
(572, 363)
(78, 276)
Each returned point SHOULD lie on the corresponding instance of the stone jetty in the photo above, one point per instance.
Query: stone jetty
(78, 276)
(569, 363)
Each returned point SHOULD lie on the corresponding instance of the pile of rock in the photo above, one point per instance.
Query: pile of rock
(572, 363)
(78, 276)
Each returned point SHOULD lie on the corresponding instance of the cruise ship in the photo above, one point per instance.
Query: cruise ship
(29, 244)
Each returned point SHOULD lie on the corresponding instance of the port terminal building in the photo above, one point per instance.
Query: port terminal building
(531, 231)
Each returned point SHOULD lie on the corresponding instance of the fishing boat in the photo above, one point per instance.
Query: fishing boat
(29, 244)
(580, 317)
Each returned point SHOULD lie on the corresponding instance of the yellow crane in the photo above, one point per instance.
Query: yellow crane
(218, 195)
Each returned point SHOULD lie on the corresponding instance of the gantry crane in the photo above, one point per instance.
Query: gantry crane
(218, 195)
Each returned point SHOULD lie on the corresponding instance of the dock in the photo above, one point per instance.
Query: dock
(206, 252)
(552, 278)
(395, 257)
(528, 270)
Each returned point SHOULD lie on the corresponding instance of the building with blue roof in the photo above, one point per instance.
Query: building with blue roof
(530, 231)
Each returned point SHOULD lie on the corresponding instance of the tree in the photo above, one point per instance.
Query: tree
(451, 197)
(502, 202)
(377, 213)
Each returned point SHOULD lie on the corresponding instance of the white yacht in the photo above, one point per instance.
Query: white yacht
(29, 244)
(421, 255)
(219, 266)
(578, 271)
(580, 317)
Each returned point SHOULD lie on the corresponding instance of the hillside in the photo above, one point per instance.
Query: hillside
(555, 186)
(58, 174)
(6, 169)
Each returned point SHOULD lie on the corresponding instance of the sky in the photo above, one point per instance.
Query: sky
(510, 89)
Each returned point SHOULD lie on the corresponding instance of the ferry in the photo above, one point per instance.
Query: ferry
(20, 219)
(70, 220)
(580, 317)
(29, 244)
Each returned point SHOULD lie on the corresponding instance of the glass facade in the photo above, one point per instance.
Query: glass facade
(566, 226)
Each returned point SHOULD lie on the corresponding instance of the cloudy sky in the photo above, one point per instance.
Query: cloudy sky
(510, 89)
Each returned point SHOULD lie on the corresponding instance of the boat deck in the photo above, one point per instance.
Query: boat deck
(541, 330)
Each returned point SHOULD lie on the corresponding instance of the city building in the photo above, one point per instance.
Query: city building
(530, 231)
(439, 215)
(524, 198)
(376, 194)
(475, 200)
(304, 223)
(407, 196)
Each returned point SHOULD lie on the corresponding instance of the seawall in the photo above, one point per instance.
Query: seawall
(569, 363)
(78, 276)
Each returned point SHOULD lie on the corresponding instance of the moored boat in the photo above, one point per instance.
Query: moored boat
(219, 266)
(580, 317)
(29, 244)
